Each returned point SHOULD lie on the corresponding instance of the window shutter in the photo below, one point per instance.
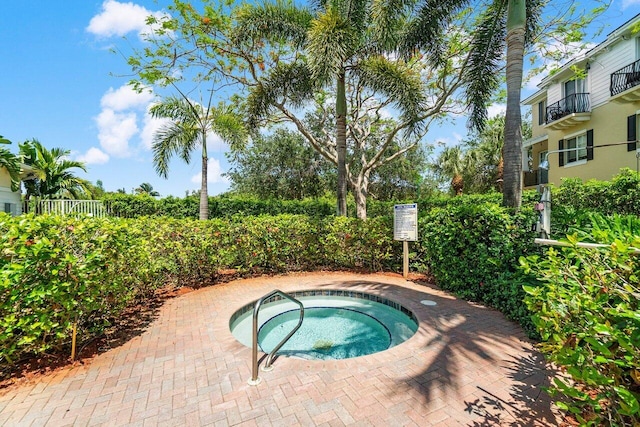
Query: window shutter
(590, 144)
(631, 133)
(561, 154)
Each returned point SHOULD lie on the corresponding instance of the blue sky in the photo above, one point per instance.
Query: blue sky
(58, 85)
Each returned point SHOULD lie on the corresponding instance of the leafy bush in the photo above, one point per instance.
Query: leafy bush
(621, 195)
(55, 272)
(58, 271)
(473, 251)
(587, 309)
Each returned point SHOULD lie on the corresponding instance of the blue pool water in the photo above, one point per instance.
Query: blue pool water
(325, 333)
(337, 324)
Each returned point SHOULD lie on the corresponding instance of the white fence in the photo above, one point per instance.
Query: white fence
(93, 208)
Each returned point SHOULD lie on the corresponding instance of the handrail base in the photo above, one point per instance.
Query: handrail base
(257, 381)
(265, 368)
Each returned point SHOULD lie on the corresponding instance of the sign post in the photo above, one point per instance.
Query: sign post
(405, 228)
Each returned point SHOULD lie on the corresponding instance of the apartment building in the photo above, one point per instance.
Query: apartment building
(585, 116)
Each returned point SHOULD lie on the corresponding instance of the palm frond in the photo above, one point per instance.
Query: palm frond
(292, 80)
(280, 21)
(398, 82)
(388, 21)
(168, 141)
(230, 127)
(11, 163)
(534, 11)
(487, 49)
(177, 109)
(426, 31)
(331, 41)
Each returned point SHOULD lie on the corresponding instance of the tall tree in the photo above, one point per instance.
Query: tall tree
(510, 22)
(11, 163)
(53, 173)
(344, 61)
(337, 38)
(190, 124)
(513, 25)
(281, 60)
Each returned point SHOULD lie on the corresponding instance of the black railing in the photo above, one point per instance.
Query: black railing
(535, 177)
(625, 78)
(576, 103)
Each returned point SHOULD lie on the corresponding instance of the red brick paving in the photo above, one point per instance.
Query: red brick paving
(466, 365)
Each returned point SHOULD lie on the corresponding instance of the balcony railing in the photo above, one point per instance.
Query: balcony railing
(625, 78)
(536, 177)
(576, 103)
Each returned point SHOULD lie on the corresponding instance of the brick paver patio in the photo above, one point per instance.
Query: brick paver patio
(466, 365)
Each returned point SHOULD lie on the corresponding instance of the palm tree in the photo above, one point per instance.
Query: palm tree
(189, 126)
(11, 163)
(51, 170)
(510, 22)
(335, 38)
(451, 163)
(146, 188)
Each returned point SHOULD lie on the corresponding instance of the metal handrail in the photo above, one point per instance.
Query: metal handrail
(574, 103)
(625, 78)
(255, 380)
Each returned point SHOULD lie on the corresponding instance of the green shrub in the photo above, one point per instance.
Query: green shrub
(353, 243)
(587, 310)
(621, 195)
(55, 272)
(473, 251)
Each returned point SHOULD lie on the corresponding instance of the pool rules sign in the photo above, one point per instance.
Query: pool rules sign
(405, 229)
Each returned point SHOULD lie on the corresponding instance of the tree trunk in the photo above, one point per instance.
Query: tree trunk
(457, 183)
(341, 143)
(512, 185)
(204, 194)
(360, 193)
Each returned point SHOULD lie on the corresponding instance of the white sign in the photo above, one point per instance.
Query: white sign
(405, 222)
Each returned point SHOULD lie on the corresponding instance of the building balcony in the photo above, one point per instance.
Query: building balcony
(569, 111)
(535, 177)
(625, 83)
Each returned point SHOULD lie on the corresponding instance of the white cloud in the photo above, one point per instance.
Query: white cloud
(118, 19)
(150, 126)
(214, 173)
(215, 144)
(125, 98)
(115, 130)
(496, 110)
(629, 3)
(93, 156)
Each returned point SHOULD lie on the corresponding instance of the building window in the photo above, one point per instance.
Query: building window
(542, 112)
(578, 149)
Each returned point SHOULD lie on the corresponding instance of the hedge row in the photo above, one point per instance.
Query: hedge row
(473, 251)
(225, 206)
(57, 271)
(620, 196)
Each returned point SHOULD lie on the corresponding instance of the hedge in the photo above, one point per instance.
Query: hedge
(473, 251)
(60, 271)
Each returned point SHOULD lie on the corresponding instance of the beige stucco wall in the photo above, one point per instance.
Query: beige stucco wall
(5, 179)
(609, 124)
